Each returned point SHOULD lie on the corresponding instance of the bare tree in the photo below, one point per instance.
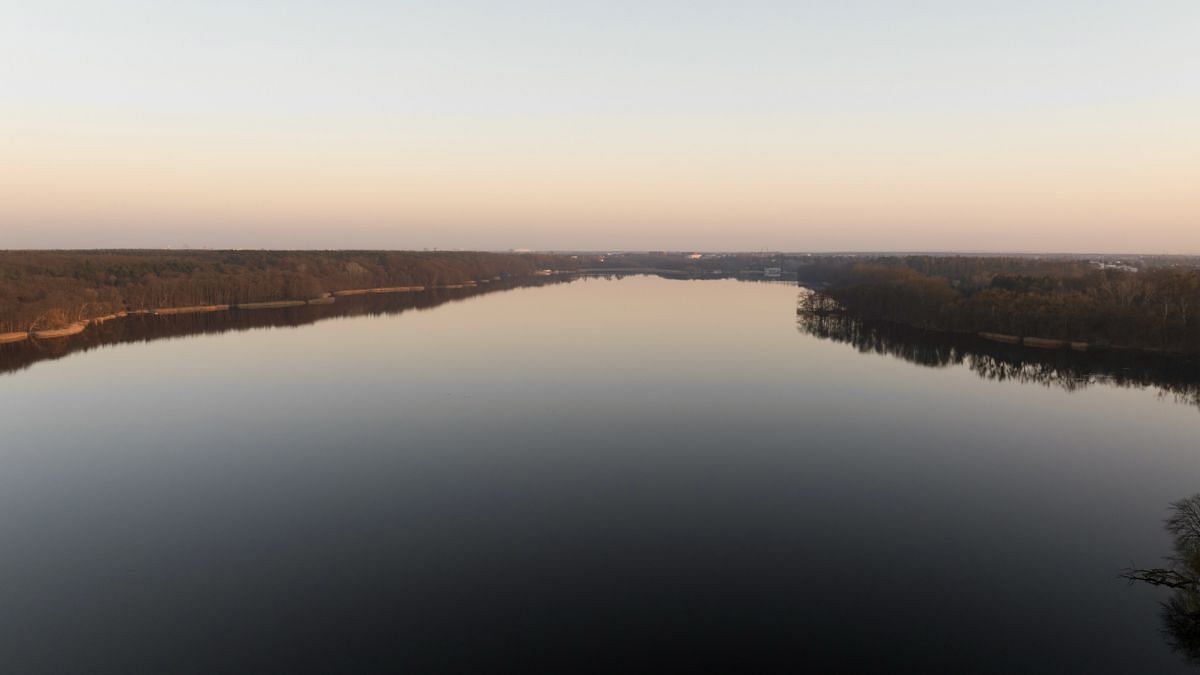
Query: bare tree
(1181, 612)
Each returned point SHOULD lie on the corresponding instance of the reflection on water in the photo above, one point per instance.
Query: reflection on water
(1065, 369)
(626, 475)
(145, 327)
(1181, 612)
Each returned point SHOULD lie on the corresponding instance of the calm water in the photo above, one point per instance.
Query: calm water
(602, 475)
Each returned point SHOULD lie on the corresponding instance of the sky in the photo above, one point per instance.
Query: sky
(641, 125)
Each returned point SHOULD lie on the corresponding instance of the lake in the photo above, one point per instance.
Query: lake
(601, 475)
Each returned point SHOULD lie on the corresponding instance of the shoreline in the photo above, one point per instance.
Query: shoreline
(78, 327)
(1024, 341)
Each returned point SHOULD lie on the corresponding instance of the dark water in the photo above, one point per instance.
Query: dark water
(596, 476)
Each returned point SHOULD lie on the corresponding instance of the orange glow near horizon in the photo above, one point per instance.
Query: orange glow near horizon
(915, 156)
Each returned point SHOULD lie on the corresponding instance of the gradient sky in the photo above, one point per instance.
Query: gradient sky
(849, 125)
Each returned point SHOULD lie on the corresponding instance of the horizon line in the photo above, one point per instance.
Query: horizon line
(612, 251)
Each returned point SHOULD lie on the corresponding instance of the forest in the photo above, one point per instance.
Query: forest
(1147, 303)
(1148, 306)
(50, 289)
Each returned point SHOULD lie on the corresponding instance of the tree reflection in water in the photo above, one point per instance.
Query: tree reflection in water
(1070, 370)
(1181, 612)
(147, 328)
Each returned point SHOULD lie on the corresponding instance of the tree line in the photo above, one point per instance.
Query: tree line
(1153, 307)
(49, 289)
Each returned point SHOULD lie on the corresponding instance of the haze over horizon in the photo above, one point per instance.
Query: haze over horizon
(850, 126)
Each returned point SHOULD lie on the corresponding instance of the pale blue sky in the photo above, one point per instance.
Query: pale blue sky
(789, 125)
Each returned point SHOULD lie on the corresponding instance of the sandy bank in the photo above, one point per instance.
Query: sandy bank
(197, 309)
(277, 304)
(325, 299)
(1000, 337)
(386, 289)
(54, 333)
(95, 321)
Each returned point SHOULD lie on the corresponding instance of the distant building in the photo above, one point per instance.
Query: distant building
(772, 272)
(694, 256)
(1118, 265)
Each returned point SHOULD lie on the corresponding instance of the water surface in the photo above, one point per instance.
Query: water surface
(601, 475)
